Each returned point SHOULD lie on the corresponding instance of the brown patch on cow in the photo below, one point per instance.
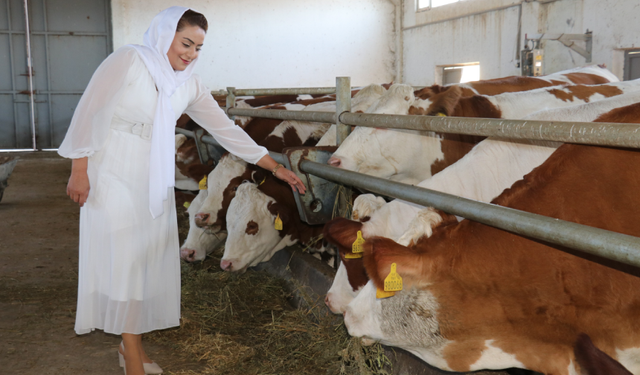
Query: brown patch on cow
(260, 101)
(586, 79)
(285, 206)
(356, 273)
(466, 92)
(307, 102)
(585, 92)
(252, 228)
(428, 92)
(228, 194)
(629, 115)
(562, 95)
(508, 84)
(454, 147)
(444, 102)
(259, 128)
(182, 121)
(341, 232)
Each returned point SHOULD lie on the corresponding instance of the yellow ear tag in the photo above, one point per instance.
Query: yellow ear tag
(278, 223)
(393, 282)
(262, 182)
(356, 247)
(186, 204)
(202, 185)
(352, 255)
(382, 294)
(441, 114)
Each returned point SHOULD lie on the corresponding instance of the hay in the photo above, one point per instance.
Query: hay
(244, 324)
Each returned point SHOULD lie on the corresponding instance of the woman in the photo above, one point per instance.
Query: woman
(121, 140)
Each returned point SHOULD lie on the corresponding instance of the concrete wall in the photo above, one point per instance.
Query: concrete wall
(280, 43)
(492, 32)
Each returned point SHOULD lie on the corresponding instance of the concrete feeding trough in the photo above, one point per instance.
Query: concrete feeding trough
(7, 164)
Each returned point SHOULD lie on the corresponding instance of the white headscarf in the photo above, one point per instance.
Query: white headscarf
(157, 40)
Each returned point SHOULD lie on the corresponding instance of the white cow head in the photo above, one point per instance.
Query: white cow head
(199, 243)
(252, 237)
(407, 320)
(221, 185)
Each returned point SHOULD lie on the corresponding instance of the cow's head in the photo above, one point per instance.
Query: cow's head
(409, 318)
(199, 242)
(221, 187)
(252, 237)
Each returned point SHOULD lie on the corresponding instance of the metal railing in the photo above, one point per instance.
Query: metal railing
(603, 243)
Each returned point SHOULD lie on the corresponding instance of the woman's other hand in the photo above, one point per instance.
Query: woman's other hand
(291, 178)
(78, 186)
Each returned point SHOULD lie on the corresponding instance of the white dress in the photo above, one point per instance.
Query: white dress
(129, 264)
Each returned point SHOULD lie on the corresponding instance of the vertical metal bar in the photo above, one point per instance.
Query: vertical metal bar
(30, 74)
(47, 61)
(343, 104)
(231, 100)
(13, 76)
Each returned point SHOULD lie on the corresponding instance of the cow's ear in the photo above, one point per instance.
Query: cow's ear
(445, 102)
(259, 176)
(278, 209)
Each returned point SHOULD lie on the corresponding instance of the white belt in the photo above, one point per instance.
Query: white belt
(143, 130)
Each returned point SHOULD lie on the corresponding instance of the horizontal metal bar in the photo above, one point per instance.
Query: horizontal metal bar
(287, 91)
(329, 117)
(592, 133)
(559, 36)
(620, 247)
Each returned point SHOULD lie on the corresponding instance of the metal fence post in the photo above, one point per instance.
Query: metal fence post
(343, 104)
(231, 100)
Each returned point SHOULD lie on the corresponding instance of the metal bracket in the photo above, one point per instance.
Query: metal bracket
(316, 206)
(208, 153)
(568, 40)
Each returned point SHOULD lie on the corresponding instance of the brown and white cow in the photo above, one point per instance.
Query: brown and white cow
(198, 241)
(492, 166)
(412, 156)
(476, 297)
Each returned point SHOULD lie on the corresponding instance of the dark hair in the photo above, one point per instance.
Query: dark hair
(194, 19)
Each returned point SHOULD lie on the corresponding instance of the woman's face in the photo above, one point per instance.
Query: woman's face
(185, 47)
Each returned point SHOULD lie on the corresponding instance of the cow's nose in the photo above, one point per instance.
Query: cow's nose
(225, 265)
(187, 254)
(334, 162)
(326, 301)
(201, 219)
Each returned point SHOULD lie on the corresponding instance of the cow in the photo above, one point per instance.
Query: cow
(252, 221)
(198, 241)
(483, 174)
(475, 297)
(231, 171)
(411, 156)
(588, 75)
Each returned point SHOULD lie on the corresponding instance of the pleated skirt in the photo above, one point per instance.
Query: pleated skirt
(129, 263)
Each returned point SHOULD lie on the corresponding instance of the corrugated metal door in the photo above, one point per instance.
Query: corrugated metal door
(69, 39)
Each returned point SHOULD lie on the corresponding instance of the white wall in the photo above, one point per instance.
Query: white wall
(280, 43)
(486, 31)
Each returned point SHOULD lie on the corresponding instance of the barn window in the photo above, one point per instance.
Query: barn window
(428, 4)
(631, 65)
(458, 73)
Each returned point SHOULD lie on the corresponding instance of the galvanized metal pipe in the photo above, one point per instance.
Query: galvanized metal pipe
(287, 91)
(620, 247)
(329, 117)
(593, 133)
(343, 104)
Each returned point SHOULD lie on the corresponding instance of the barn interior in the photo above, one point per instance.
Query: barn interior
(272, 319)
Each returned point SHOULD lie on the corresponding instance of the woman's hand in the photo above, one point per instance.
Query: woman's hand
(292, 179)
(78, 186)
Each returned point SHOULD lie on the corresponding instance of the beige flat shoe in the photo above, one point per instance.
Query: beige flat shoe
(149, 368)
